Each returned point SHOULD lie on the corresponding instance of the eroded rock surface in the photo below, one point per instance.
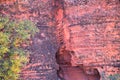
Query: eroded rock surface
(88, 38)
(91, 36)
(42, 64)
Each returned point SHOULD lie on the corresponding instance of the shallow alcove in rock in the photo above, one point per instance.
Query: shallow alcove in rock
(68, 72)
(88, 28)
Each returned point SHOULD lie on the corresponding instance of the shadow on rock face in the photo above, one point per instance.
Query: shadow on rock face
(68, 72)
(42, 64)
(75, 73)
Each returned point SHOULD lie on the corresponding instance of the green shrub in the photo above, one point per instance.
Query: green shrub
(115, 77)
(13, 34)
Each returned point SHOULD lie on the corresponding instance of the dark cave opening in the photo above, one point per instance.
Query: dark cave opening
(68, 72)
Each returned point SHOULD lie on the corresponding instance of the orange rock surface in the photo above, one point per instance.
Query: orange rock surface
(91, 36)
(88, 37)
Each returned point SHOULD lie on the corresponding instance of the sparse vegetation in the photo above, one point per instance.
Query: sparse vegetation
(115, 77)
(13, 34)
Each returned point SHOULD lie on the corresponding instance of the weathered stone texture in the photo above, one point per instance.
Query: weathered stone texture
(42, 60)
(91, 34)
(88, 37)
(42, 64)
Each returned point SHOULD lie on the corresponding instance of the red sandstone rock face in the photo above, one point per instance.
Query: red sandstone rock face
(88, 34)
(91, 35)
(42, 64)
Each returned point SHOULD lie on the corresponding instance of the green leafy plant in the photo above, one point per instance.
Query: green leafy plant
(13, 34)
(114, 77)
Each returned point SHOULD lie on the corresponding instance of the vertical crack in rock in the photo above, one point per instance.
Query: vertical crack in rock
(90, 37)
(66, 70)
(87, 33)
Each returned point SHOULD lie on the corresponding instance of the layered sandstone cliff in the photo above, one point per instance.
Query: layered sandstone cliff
(84, 35)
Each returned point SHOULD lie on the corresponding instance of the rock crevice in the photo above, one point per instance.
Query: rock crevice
(81, 36)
